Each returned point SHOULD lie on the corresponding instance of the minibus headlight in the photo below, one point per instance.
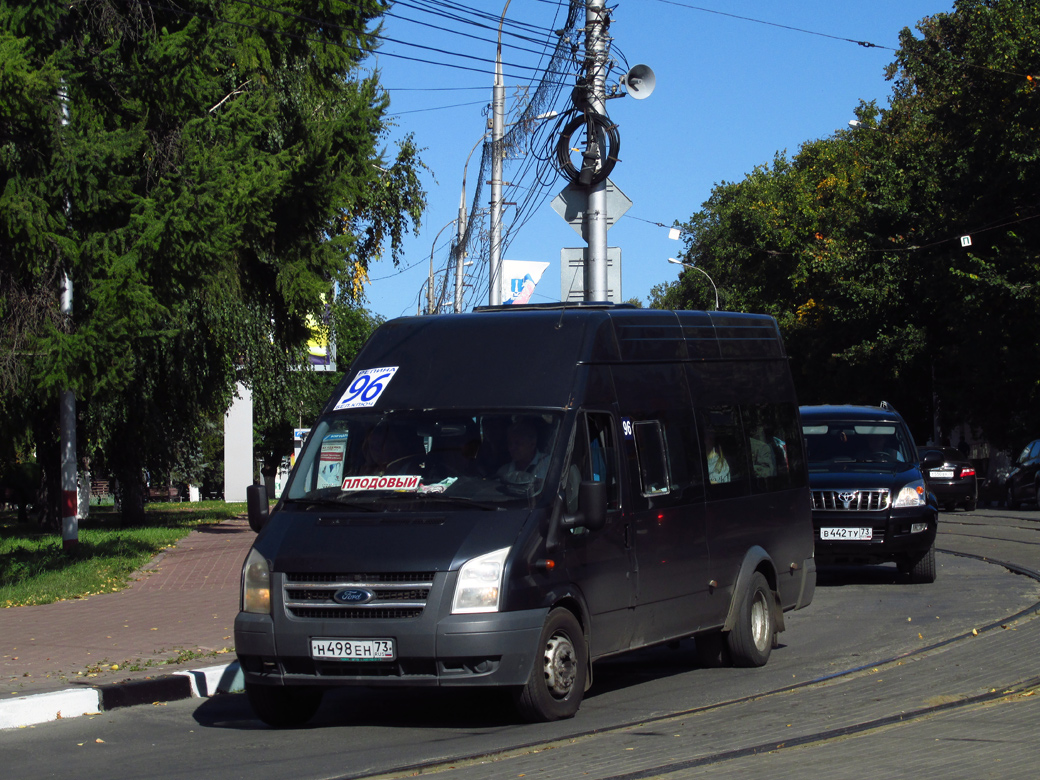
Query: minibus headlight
(911, 494)
(256, 584)
(479, 586)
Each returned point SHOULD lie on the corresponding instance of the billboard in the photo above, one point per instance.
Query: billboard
(519, 278)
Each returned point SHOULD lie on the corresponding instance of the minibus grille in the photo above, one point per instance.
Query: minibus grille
(851, 500)
(359, 596)
(328, 613)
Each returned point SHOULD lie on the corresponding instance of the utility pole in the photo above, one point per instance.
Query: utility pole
(459, 250)
(597, 45)
(498, 123)
(67, 414)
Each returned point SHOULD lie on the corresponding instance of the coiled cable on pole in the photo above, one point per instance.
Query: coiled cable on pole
(605, 147)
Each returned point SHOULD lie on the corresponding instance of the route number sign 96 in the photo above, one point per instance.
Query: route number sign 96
(366, 387)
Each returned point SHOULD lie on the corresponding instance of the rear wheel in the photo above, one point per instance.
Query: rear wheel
(970, 506)
(751, 640)
(284, 706)
(557, 683)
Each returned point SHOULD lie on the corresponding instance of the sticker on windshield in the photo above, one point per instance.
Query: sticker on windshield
(330, 463)
(366, 388)
(403, 483)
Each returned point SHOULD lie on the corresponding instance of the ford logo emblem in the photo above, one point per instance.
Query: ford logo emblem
(353, 596)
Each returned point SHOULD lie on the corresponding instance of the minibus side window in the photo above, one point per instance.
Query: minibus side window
(724, 448)
(652, 456)
(603, 455)
(594, 457)
(659, 394)
(773, 444)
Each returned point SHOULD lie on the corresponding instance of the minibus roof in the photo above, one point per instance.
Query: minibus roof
(525, 356)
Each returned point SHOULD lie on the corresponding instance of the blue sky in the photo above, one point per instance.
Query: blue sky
(730, 93)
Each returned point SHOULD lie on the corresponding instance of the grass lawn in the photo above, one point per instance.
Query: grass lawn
(34, 569)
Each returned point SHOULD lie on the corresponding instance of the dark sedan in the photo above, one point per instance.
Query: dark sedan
(953, 482)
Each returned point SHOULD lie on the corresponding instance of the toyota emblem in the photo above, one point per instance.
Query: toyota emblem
(848, 497)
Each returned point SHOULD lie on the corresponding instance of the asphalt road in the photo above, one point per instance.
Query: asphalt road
(875, 678)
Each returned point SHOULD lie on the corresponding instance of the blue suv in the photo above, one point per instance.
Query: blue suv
(870, 501)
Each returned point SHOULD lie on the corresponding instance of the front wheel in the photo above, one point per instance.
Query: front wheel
(557, 683)
(284, 707)
(1011, 500)
(923, 569)
(751, 640)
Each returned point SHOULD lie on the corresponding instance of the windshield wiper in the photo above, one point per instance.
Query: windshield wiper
(343, 502)
(441, 498)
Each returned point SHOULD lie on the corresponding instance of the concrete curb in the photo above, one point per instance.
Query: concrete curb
(73, 702)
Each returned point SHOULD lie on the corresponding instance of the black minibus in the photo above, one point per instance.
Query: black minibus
(505, 497)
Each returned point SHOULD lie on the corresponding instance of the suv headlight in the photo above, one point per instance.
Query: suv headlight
(479, 586)
(256, 584)
(911, 494)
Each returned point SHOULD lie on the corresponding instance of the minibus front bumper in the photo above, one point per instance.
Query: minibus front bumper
(491, 649)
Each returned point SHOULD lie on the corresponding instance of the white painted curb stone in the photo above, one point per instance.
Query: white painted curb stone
(73, 702)
(44, 707)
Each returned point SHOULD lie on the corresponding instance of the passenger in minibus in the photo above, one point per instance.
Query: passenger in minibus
(718, 466)
(524, 455)
(763, 459)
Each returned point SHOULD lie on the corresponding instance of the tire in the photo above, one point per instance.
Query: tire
(751, 640)
(923, 569)
(557, 683)
(284, 707)
(710, 650)
(970, 506)
(1010, 500)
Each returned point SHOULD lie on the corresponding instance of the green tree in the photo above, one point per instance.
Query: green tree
(207, 174)
(853, 243)
(302, 399)
(962, 128)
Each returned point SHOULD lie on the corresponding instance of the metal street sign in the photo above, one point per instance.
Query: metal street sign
(574, 267)
(573, 201)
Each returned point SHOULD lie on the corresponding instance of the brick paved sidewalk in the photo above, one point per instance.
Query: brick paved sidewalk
(181, 606)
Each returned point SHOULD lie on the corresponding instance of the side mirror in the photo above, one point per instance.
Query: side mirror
(592, 503)
(258, 508)
(592, 507)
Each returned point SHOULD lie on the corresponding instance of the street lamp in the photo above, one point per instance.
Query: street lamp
(856, 124)
(429, 289)
(695, 268)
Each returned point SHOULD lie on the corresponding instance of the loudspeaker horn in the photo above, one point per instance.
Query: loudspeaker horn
(639, 81)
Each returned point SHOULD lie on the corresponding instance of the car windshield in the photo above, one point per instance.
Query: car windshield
(856, 446)
(403, 460)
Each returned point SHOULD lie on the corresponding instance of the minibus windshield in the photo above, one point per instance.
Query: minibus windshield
(482, 460)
